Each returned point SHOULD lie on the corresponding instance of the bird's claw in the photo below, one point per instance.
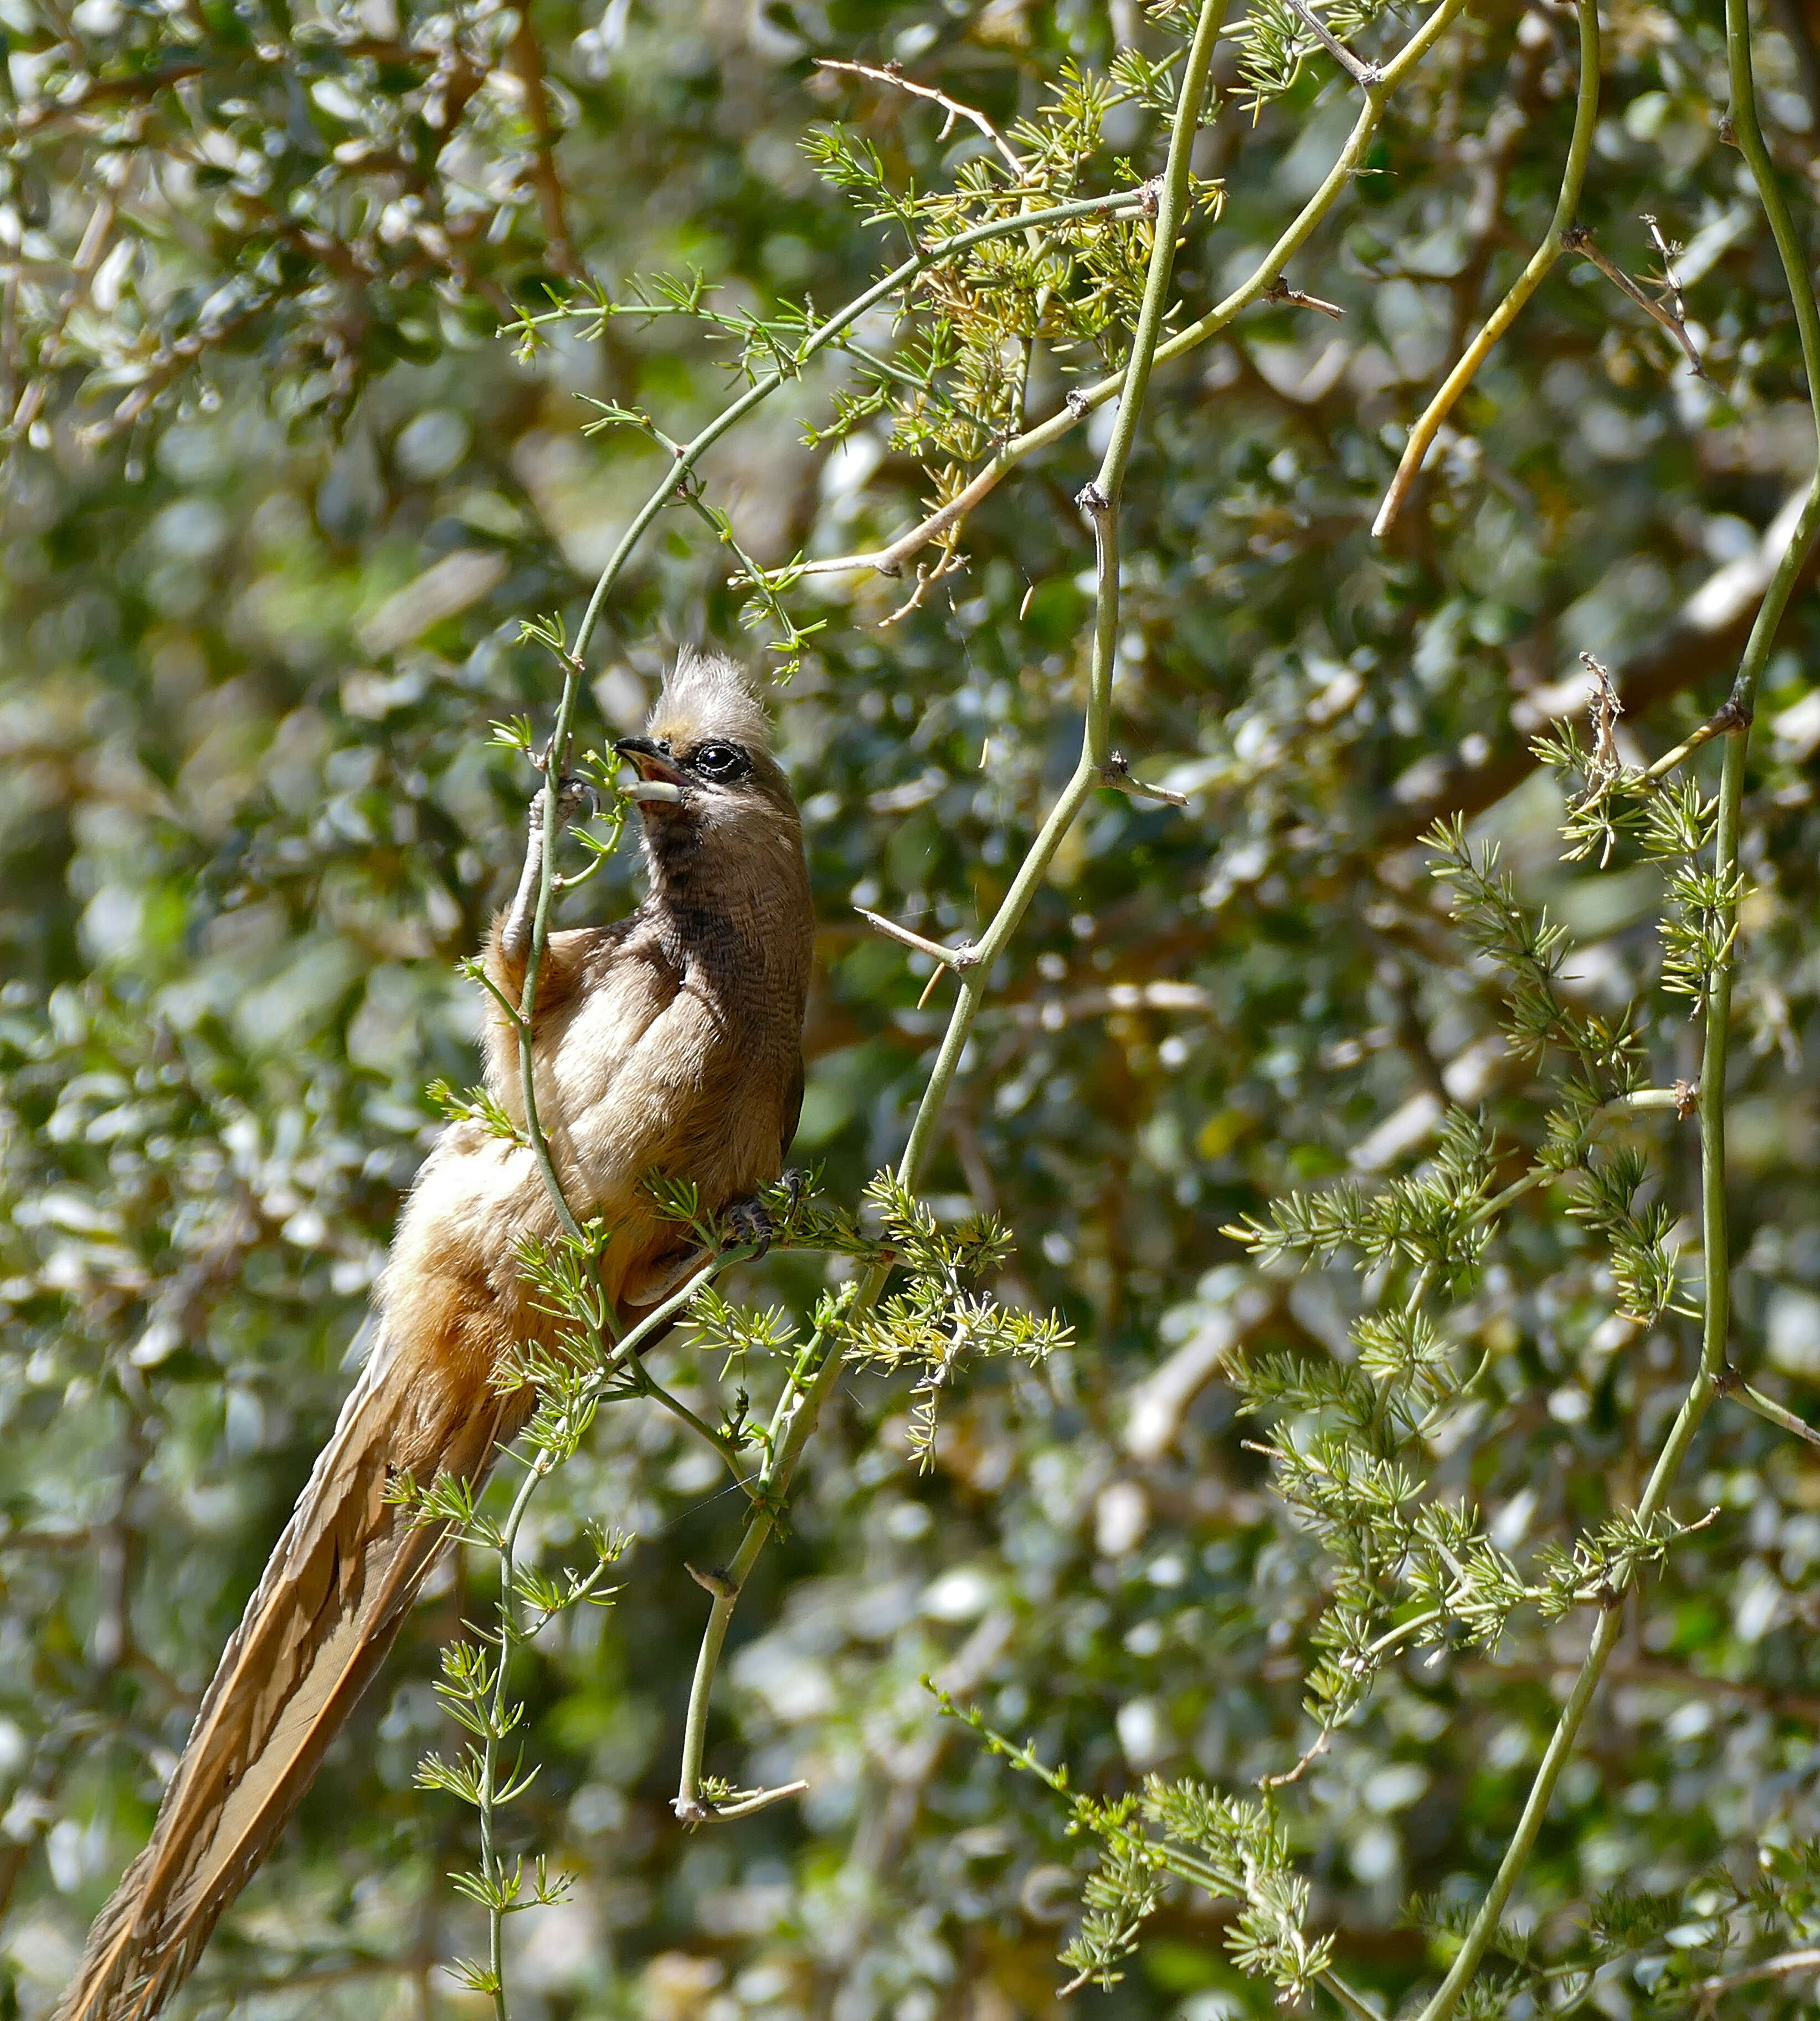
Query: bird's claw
(571, 795)
(749, 1220)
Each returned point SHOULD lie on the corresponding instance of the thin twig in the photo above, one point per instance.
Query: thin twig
(1728, 1382)
(953, 106)
(1116, 773)
(798, 1411)
(1280, 291)
(1577, 238)
(1726, 720)
(1310, 1754)
(1707, 1990)
(555, 766)
(1355, 67)
(966, 956)
(951, 562)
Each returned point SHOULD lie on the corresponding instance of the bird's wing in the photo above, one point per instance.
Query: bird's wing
(792, 1113)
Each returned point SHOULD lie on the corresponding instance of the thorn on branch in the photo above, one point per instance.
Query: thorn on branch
(1687, 1099)
(714, 1581)
(1280, 291)
(966, 956)
(1092, 500)
(1116, 773)
(1355, 67)
(1078, 404)
(1577, 239)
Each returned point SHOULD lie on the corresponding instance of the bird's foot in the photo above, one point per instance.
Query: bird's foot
(748, 1220)
(515, 932)
(572, 794)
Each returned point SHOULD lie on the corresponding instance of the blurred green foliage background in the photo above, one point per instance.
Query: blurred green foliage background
(278, 494)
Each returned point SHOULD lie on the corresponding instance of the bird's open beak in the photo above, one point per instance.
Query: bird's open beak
(659, 778)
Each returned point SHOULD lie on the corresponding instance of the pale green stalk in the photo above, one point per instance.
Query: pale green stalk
(1100, 501)
(1348, 164)
(1122, 202)
(1715, 1329)
(1554, 243)
(682, 464)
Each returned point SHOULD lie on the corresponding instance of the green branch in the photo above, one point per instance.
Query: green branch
(1265, 278)
(1122, 203)
(1554, 243)
(1710, 1378)
(1099, 499)
(1730, 1383)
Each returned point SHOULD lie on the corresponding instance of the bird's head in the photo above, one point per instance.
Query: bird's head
(710, 793)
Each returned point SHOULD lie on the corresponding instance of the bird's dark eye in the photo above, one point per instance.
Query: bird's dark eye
(719, 762)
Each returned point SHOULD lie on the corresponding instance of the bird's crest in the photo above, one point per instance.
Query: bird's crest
(708, 694)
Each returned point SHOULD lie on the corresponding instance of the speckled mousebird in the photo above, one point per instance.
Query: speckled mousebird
(670, 1040)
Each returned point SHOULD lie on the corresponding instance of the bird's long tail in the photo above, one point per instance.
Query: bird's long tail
(332, 1598)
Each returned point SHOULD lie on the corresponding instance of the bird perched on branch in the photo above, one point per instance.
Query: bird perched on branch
(668, 1041)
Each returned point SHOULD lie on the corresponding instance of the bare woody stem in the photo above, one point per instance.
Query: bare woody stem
(1554, 243)
(1711, 1378)
(1578, 239)
(1099, 499)
(1355, 67)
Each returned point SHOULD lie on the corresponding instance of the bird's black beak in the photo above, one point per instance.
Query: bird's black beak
(660, 778)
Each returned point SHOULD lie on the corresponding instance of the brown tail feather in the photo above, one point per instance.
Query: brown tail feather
(331, 1602)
